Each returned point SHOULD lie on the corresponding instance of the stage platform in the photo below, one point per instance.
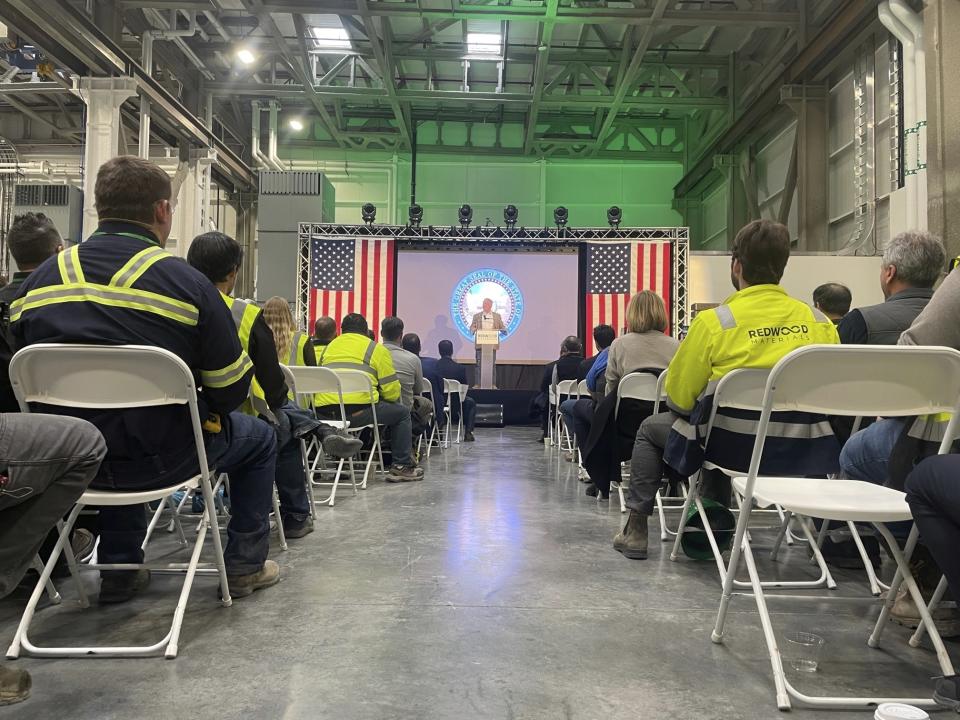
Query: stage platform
(517, 385)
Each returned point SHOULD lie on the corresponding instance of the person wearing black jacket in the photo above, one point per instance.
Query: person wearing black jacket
(160, 301)
(566, 367)
(219, 256)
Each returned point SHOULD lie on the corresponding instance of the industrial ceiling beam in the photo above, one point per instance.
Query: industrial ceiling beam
(443, 96)
(330, 124)
(539, 69)
(626, 82)
(383, 51)
(691, 17)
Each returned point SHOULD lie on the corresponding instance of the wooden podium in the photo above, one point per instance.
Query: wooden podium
(487, 342)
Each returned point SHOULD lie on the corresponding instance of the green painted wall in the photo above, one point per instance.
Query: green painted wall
(586, 187)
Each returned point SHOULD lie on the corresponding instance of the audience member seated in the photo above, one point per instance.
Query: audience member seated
(608, 439)
(911, 266)
(163, 302)
(591, 370)
(50, 461)
(450, 369)
(740, 333)
(407, 365)
(219, 257)
(566, 367)
(411, 343)
(293, 347)
(833, 300)
(354, 350)
(32, 239)
(324, 330)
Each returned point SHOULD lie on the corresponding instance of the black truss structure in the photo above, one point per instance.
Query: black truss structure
(501, 240)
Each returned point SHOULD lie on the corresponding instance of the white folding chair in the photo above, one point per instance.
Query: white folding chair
(743, 390)
(114, 378)
(451, 390)
(846, 380)
(564, 390)
(306, 382)
(357, 381)
(582, 392)
(647, 387)
(433, 439)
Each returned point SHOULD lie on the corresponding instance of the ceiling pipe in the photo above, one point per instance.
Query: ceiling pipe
(906, 38)
(272, 135)
(914, 24)
(255, 151)
(217, 25)
(146, 62)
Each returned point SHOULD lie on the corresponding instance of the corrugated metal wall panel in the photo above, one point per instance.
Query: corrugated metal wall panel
(274, 182)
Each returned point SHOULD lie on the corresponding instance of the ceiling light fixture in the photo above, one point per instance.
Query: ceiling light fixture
(246, 56)
(296, 124)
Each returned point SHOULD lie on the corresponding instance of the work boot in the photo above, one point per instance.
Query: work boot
(294, 529)
(341, 445)
(119, 586)
(243, 585)
(468, 437)
(946, 692)
(904, 612)
(632, 540)
(404, 473)
(14, 685)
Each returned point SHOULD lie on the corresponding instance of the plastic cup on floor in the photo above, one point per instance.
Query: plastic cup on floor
(899, 711)
(802, 650)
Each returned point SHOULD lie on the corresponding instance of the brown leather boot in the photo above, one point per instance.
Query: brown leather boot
(243, 585)
(632, 540)
(14, 685)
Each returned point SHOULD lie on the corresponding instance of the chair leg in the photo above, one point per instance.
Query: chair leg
(20, 637)
(931, 607)
(902, 560)
(731, 573)
(693, 493)
(781, 534)
(52, 595)
(211, 511)
(276, 514)
(867, 565)
(874, 640)
(623, 500)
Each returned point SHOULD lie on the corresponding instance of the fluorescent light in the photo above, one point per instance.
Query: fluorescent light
(245, 56)
(296, 124)
(483, 43)
(330, 37)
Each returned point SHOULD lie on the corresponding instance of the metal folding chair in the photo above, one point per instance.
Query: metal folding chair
(648, 387)
(113, 378)
(564, 390)
(307, 382)
(849, 380)
(357, 381)
(451, 390)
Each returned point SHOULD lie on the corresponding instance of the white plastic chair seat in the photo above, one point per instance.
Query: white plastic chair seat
(106, 497)
(828, 499)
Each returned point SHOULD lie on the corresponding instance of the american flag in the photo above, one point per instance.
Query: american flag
(615, 272)
(351, 276)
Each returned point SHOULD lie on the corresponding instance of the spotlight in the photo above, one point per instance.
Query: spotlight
(466, 215)
(614, 216)
(296, 124)
(369, 213)
(246, 56)
(416, 215)
(560, 216)
(510, 216)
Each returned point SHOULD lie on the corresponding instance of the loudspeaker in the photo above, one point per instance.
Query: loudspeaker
(490, 415)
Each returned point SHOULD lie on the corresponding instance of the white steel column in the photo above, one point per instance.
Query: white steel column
(103, 97)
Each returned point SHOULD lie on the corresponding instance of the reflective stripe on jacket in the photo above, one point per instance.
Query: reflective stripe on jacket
(754, 328)
(352, 351)
(244, 315)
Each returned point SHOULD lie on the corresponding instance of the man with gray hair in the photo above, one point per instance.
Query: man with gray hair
(912, 263)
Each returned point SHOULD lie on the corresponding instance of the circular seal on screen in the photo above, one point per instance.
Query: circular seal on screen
(473, 288)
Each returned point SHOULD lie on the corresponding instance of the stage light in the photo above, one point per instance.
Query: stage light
(369, 213)
(614, 216)
(511, 215)
(560, 216)
(466, 215)
(245, 56)
(416, 215)
(296, 124)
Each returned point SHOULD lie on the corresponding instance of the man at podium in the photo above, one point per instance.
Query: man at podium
(488, 320)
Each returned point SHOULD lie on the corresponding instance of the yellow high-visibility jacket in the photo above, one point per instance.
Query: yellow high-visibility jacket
(353, 351)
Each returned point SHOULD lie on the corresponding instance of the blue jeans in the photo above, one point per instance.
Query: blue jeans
(395, 416)
(246, 448)
(866, 455)
(578, 415)
(291, 477)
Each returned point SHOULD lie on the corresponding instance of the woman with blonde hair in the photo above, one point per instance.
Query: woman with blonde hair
(293, 346)
(644, 345)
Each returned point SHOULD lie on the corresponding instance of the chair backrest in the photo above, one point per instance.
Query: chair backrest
(100, 376)
(582, 389)
(108, 377)
(566, 387)
(865, 380)
(638, 386)
(451, 388)
(306, 381)
(354, 381)
(463, 391)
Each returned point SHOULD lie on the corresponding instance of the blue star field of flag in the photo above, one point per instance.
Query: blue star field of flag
(332, 264)
(608, 268)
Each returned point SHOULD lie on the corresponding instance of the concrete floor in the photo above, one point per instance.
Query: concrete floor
(490, 590)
